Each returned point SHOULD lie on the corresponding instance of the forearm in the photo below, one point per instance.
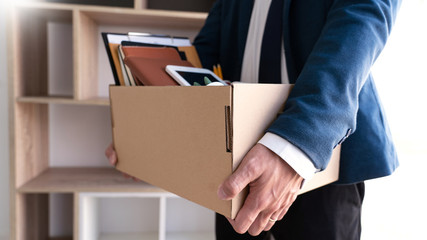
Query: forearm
(323, 104)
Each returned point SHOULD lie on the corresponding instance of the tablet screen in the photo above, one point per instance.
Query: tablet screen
(192, 77)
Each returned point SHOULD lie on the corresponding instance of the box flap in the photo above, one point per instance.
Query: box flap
(255, 106)
(170, 130)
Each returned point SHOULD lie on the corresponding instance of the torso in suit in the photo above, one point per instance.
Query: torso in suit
(330, 46)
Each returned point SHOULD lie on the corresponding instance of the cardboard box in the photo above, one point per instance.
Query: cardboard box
(188, 140)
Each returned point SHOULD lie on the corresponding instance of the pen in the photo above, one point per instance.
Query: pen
(219, 70)
(215, 70)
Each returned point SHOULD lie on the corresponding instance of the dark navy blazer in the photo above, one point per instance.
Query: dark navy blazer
(330, 46)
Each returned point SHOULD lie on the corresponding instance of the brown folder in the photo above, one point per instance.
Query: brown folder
(151, 52)
(116, 59)
(192, 56)
(152, 71)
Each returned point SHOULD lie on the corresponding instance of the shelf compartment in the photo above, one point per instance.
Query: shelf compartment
(34, 60)
(98, 220)
(201, 226)
(44, 216)
(61, 215)
(93, 73)
(154, 236)
(32, 218)
(68, 180)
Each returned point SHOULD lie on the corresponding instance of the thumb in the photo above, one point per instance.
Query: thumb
(235, 183)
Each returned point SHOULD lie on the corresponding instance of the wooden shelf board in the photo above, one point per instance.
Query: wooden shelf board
(63, 100)
(105, 10)
(60, 6)
(136, 17)
(70, 180)
(50, 12)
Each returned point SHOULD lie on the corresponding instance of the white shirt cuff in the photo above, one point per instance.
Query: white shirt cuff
(296, 158)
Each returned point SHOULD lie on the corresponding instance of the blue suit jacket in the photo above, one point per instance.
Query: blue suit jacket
(330, 46)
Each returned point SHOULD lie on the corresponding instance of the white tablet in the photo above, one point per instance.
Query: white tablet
(191, 76)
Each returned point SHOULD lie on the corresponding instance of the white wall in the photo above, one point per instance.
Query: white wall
(395, 207)
(4, 148)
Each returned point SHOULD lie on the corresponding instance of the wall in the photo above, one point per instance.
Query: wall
(395, 206)
(4, 148)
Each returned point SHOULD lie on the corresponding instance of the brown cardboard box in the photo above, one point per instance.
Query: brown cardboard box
(188, 140)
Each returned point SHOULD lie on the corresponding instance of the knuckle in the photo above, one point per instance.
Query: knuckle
(263, 202)
(231, 187)
(254, 204)
(252, 167)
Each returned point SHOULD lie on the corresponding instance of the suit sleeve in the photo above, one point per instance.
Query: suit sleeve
(321, 110)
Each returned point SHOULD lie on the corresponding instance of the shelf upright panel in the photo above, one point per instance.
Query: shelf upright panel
(29, 77)
(140, 4)
(12, 65)
(32, 217)
(85, 56)
(76, 216)
(29, 144)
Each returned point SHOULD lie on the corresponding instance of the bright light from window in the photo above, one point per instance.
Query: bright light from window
(401, 75)
(395, 207)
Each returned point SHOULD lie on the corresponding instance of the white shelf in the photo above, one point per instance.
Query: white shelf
(129, 236)
(190, 236)
(92, 223)
(154, 236)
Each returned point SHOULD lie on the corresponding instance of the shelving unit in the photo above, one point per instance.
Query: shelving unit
(58, 95)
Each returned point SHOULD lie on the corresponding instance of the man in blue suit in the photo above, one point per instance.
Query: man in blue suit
(326, 48)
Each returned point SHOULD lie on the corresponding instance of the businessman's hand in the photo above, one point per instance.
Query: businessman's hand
(273, 187)
(110, 153)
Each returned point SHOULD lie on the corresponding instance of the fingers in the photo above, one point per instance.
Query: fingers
(273, 187)
(234, 184)
(271, 221)
(278, 215)
(254, 215)
(127, 176)
(110, 153)
(263, 222)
